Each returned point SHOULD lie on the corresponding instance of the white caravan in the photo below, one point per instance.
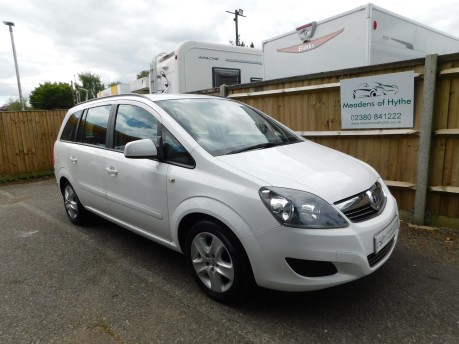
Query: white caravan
(367, 35)
(195, 66)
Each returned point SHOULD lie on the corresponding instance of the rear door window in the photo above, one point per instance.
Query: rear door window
(94, 130)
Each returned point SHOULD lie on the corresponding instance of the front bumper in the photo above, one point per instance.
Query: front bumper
(276, 255)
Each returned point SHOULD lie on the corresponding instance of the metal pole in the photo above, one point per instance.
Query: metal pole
(430, 75)
(237, 33)
(237, 13)
(11, 24)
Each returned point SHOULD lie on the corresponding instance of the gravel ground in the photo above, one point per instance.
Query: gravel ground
(102, 284)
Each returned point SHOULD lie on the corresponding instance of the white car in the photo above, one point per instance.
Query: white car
(247, 200)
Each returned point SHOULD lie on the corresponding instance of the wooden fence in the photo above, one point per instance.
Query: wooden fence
(311, 106)
(26, 141)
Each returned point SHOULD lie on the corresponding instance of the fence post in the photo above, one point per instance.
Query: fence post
(223, 91)
(430, 76)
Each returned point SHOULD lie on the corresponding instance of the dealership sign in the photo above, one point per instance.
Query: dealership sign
(381, 101)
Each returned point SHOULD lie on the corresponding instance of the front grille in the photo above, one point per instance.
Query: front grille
(365, 205)
(361, 214)
(375, 258)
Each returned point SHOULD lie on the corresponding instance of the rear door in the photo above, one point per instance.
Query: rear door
(87, 156)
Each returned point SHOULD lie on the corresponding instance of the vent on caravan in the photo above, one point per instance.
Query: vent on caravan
(165, 57)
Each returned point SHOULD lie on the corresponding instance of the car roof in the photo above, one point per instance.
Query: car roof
(133, 96)
(164, 96)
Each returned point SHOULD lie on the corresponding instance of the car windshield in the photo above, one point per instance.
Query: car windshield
(227, 127)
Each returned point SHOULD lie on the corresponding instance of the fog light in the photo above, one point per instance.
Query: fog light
(312, 268)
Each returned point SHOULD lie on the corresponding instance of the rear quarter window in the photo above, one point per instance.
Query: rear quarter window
(71, 126)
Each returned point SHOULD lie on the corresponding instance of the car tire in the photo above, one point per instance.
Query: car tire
(77, 214)
(218, 262)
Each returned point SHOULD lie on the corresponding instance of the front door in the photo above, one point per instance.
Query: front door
(136, 188)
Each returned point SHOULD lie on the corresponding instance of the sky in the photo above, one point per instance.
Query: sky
(56, 40)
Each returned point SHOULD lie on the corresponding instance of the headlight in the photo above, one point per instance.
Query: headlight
(294, 208)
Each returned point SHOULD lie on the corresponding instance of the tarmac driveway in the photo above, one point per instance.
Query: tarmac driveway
(102, 284)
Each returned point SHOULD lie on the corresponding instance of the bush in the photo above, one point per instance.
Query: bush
(52, 96)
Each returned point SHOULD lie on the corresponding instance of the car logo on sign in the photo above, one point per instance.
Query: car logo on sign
(374, 89)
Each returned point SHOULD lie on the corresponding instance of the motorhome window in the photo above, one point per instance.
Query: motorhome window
(134, 123)
(256, 79)
(225, 76)
(69, 131)
(95, 126)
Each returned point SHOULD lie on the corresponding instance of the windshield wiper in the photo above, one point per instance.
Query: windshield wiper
(257, 146)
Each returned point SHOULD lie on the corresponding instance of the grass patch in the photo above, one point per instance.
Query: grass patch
(26, 176)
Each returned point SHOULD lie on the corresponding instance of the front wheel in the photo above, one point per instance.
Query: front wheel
(218, 262)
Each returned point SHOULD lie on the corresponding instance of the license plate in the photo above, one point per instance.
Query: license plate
(382, 238)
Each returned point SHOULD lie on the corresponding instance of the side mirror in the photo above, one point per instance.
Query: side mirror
(141, 149)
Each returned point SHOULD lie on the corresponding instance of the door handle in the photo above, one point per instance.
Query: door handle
(111, 171)
(73, 160)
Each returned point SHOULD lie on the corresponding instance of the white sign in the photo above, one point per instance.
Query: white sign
(380, 101)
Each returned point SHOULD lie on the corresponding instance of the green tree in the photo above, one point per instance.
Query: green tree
(241, 43)
(114, 83)
(91, 85)
(143, 74)
(15, 105)
(50, 96)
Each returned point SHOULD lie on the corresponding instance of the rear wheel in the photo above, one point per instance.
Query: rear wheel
(218, 262)
(73, 207)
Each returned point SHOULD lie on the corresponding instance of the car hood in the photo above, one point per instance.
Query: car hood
(306, 166)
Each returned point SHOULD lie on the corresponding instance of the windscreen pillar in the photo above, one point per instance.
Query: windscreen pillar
(430, 76)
